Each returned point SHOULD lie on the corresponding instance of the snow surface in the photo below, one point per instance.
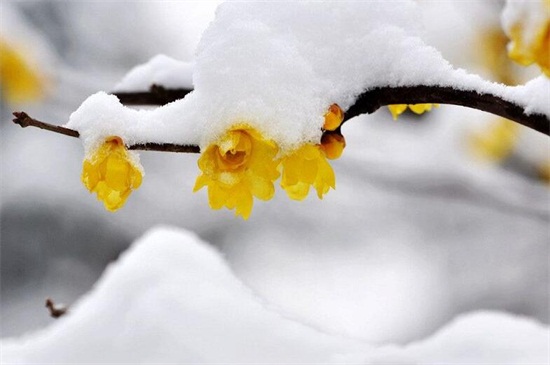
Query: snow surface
(159, 70)
(278, 68)
(171, 298)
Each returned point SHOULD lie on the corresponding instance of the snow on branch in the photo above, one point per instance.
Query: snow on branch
(368, 102)
(24, 120)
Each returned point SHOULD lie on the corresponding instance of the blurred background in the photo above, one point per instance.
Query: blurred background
(433, 215)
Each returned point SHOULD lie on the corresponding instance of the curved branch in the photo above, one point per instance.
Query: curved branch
(24, 120)
(372, 100)
(368, 102)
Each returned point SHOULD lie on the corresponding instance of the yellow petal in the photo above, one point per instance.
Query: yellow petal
(397, 109)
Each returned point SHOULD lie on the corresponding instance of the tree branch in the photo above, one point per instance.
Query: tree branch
(370, 101)
(157, 95)
(24, 120)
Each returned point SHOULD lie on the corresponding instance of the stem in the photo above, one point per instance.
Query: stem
(24, 120)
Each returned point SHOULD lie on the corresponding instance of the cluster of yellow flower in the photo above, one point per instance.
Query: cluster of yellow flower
(241, 165)
(398, 109)
(527, 47)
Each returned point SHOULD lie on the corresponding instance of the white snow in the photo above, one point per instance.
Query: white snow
(159, 70)
(278, 68)
(172, 299)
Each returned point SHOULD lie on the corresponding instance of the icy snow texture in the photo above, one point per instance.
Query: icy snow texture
(159, 70)
(172, 299)
(279, 66)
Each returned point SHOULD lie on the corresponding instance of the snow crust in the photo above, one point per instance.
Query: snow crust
(172, 299)
(159, 70)
(278, 67)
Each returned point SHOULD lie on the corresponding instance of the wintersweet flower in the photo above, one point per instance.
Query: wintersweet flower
(497, 142)
(530, 43)
(237, 168)
(305, 167)
(398, 109)
(18, 80)
(112, 173)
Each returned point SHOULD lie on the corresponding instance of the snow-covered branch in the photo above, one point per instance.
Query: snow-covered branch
(368, 102)
(24, 120)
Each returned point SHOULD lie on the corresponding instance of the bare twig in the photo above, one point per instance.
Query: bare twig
(24, 120)
(56, 311)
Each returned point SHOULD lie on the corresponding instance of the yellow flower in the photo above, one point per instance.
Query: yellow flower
(305, 167)
(111, 173)
(497, 142)
(19, 82)
(333, 118)
(398, 109)
(333, 145)
(238, 167)
(526, 47)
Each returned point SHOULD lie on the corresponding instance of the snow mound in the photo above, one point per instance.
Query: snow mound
(477, 338)
(159, 70)
(172, 299)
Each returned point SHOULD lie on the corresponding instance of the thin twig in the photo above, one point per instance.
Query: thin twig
(24, 120)
(56, 311)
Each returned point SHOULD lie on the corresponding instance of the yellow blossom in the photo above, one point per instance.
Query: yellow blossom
(497, 142)
(305, 167)
(111, 173)
(398, 109)
(333, 118)
(236, 168)
(19, 82)
(333, 145)
(528, 47)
